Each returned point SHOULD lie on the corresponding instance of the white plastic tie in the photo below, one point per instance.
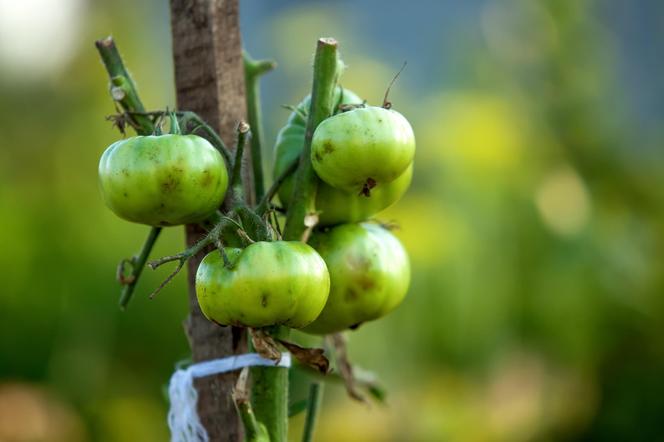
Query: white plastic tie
(182, 416)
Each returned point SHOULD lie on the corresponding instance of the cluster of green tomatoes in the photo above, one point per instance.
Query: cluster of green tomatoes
(351, 270)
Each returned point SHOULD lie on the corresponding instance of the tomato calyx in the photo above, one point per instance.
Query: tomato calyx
(369, 184)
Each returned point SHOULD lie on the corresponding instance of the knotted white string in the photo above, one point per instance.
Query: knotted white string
(182, 416)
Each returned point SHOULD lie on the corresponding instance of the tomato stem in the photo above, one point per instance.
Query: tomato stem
(264, 203)
(253, 70)
(236, 175)
(327, 69)
(313, 406)
(175, 127)
(137, 265)
(270, 388)
(123, 88)
(254, 430)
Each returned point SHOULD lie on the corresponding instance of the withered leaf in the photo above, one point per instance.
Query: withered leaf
(265, 345)
(345, 367)
(312, 357)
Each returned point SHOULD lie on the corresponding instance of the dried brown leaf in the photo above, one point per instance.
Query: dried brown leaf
(312, 357)
(265, 345)
(345, 367)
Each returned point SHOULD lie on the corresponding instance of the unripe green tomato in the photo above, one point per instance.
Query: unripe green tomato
(163, 180)
(335, 206)
(369, 275)
(267, 283)
(362, 149)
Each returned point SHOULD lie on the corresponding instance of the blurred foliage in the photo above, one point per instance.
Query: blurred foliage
(535, 222)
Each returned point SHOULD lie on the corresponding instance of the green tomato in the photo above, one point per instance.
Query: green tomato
(335, 206)
(369, 275)
(163, 180)
(267, 283)
(363, 148)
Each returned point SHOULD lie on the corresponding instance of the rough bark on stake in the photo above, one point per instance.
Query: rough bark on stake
(209, 77)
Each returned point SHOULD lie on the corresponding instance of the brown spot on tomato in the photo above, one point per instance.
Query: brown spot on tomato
(366, 283)
(206, 179)
(327, 147)
(351, 295)
(264, 298)
(318, 156)
(170, 184)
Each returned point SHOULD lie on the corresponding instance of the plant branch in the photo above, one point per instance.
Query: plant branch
(214, 137)
(326, 73)
(185, 118)
(123, 88)
(236, 175)
(137, 265)
(313, 405)
(254, 430)
(211, 238)
(253, 70)
(364, 379)
(264, 203)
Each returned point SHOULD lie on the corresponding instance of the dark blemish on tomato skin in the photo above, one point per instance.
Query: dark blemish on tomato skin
(170, 184)
(327, 147)
(351, 295)
(366, 283)
(355, 326)
(207, 178)
(264, 298)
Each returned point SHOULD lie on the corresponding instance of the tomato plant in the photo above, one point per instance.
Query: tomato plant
(253, 278)
(369, 274)
(163, 180)
(267, 283)
(334, 205)
(362, 148)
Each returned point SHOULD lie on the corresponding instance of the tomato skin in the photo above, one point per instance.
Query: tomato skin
(268, 283)
(363, 148)
(335, 206)
(163, 180)
(369, 275)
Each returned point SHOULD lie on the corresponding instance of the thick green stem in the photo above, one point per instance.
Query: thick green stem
(137, 265)
(254, 431)
(313, 405)
(269, 394)
(270, 384)
(123, 89)
(253, 70)
(326, 73)
(236, 175)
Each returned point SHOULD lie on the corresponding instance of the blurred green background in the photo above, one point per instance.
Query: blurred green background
(535, 222)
